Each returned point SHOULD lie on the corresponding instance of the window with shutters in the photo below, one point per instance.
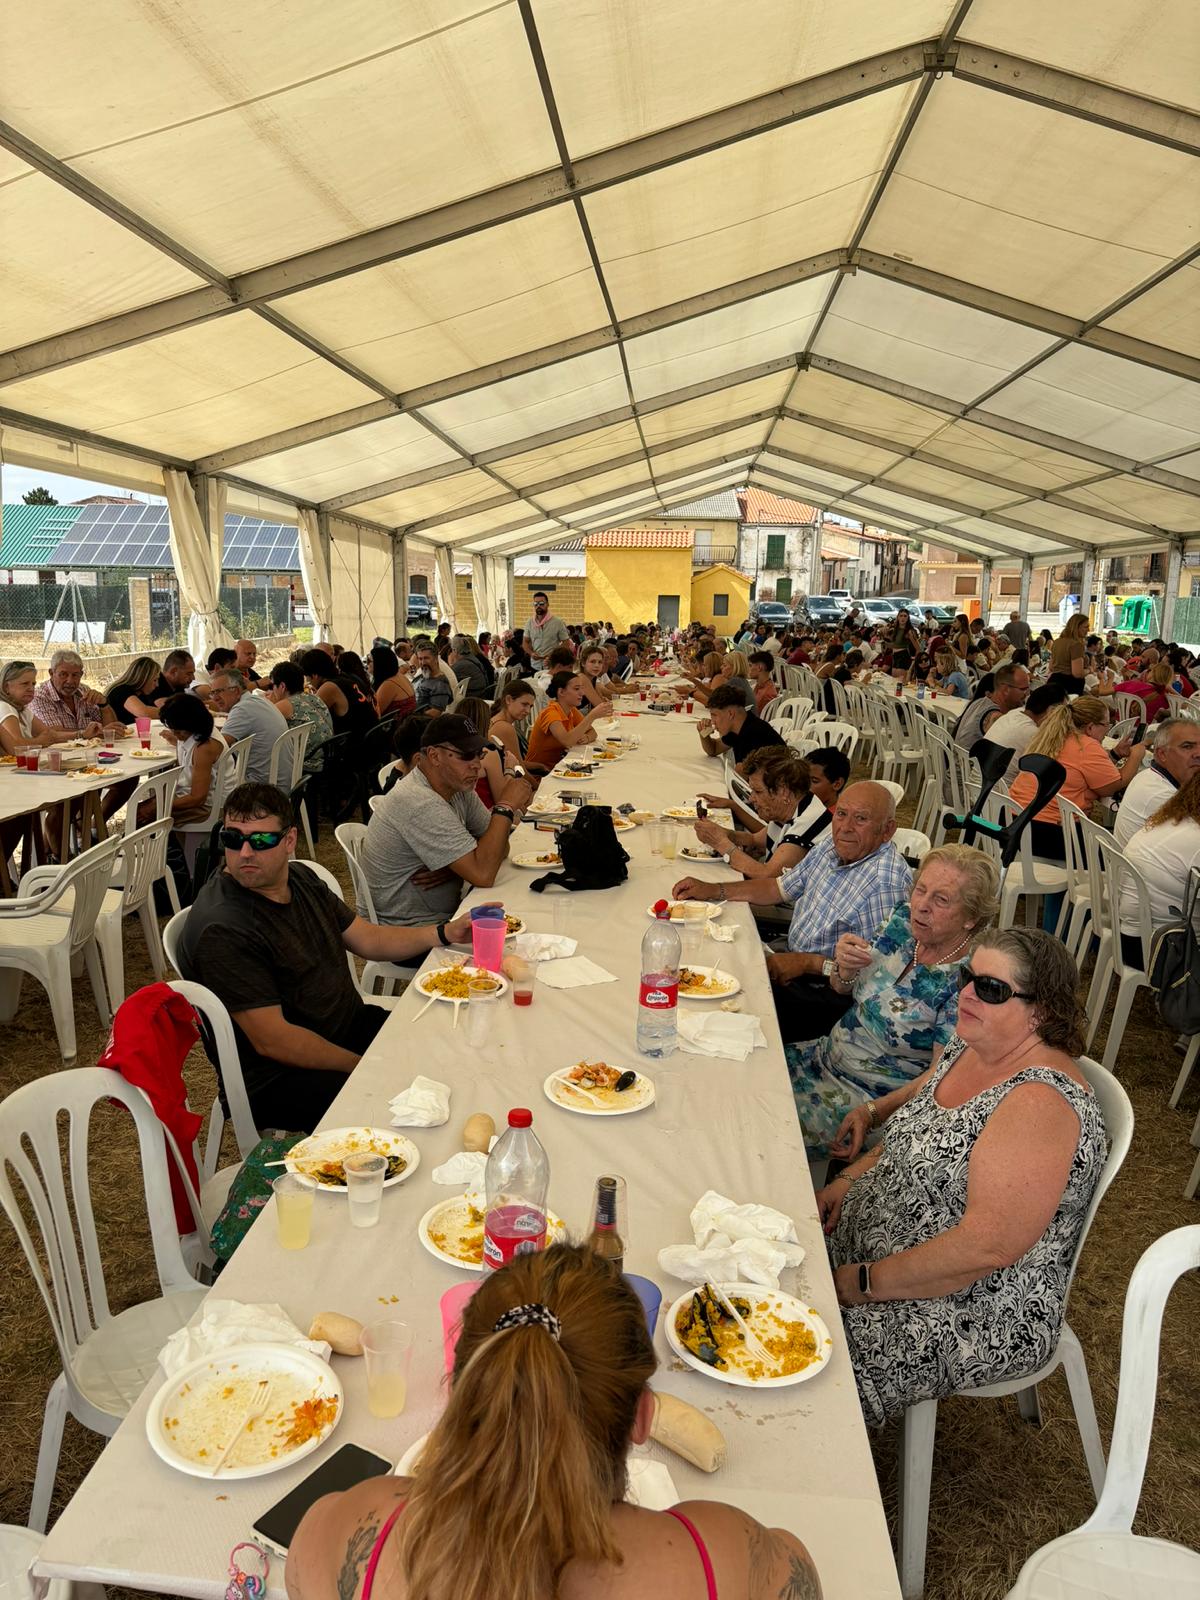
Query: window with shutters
(783, 590)
(775, 557)
(720, 605)
(1010, 586)
(967, 584)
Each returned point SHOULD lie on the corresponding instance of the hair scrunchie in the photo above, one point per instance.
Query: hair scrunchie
(534, 1315)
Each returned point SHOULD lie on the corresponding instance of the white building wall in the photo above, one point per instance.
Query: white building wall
(752, 555)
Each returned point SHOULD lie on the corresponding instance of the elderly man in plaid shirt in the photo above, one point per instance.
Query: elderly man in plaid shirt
(849, 883)
(60, 701)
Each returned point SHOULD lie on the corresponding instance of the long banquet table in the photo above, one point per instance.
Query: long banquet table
(798, 1457)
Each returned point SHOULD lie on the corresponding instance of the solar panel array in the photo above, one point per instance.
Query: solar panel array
(138, 536)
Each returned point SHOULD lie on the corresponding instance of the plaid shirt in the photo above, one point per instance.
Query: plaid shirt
(832, 898)
(53, 711)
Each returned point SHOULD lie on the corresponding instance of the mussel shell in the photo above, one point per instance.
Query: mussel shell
(625, 1081)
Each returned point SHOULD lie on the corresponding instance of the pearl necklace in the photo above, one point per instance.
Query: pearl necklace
(949, 954)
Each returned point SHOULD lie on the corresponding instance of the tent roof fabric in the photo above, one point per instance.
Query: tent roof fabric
(510, 334)
(642, 539)
(760, 507)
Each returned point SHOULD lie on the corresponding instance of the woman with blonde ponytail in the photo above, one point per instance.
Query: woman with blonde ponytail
(1071, 734)
(520, 1489)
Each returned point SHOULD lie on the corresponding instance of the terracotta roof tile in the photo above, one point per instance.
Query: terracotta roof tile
(760, 506)
(641, 539)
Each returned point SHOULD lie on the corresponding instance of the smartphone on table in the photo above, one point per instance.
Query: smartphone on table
(346, 1467)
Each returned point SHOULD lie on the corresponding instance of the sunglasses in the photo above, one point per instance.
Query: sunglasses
(231, 839)
(992, 991)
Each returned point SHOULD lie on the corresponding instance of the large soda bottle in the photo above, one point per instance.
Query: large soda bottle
(516, 1178)
(658, 996)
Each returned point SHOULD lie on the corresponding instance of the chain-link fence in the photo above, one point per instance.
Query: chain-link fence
(98, 618)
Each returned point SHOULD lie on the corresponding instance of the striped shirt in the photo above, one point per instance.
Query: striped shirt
(54, 710)
(832, 897)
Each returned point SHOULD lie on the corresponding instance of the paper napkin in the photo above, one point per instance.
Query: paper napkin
(226, 1323)
(544, 946)
(734, 1243)
(424, 1104)
(730, 1035)
(574, 972)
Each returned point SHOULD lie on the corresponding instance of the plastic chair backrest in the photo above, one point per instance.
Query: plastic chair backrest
(385, 773)
(1130, 705)
(216, 1023)
(1158, 1270)
(144, 861)
(88, 877)
(896, 790)
(55, 1195)
(287, 756)
(159, 787)
(1075, 846)
(239, 754)
(842, 735)
(1117, 1110)
(171, 935)
(912, 844)
(1121, 880)
(350, 836)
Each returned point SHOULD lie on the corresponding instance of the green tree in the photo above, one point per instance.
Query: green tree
(39, 497)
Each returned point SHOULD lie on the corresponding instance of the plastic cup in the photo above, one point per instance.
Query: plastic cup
(27, 758)
(488, 930)
(293, 1210)
(670, 841)
(387, 1351)
(481, 1019)
(453, 1304)
(523, 977)
(690, 704)
(54, 761)
(691, 937)
(143, 728)
(364, 1187)
(642, 694)
(560, 913)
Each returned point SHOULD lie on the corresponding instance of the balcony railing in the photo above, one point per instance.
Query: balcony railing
(708, 555)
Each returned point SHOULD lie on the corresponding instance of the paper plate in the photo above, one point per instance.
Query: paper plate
(194, 1414)
(697, 852)
(421, 984)
(691, 911)
(533, 862)
(335, 1144)
(637, 1097)
(729, 984)
(779, 1304)
(455, 1220)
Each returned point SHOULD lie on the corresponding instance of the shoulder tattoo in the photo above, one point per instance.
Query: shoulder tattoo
(358, 1553)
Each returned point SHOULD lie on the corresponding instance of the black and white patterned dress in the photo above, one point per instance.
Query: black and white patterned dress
(1006, 1323)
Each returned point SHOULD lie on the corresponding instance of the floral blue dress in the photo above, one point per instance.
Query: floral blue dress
(1005, 1324)
(886, 1039)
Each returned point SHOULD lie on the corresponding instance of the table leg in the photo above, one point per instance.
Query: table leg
(64, 853)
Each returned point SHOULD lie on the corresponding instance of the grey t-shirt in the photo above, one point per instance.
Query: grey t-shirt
(410, 828)
(260, 720)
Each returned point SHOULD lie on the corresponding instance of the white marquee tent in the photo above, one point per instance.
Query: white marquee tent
(482, 274)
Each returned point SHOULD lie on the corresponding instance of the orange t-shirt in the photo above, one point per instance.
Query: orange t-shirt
(543, 749)
(1089, 768)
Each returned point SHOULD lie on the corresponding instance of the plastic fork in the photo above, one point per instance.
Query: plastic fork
(753, 1343)
(587, 1094)
(257, 1408)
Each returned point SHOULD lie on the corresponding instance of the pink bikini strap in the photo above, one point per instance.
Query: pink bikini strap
(710, 1576)
(377, 1551)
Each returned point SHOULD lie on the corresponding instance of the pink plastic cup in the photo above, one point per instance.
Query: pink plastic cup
(143, 728)
(452, 1304)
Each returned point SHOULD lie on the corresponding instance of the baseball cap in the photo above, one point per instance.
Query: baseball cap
(457, 732)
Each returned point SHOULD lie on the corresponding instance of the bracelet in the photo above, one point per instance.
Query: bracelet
(441, 933)
(873, 1113)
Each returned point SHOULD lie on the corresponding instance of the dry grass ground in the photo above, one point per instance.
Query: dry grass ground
(1000, 1487)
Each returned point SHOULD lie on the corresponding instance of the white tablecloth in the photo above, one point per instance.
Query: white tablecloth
(797, 1457)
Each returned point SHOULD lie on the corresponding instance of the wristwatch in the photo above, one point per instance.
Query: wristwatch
(864, 1279)
(441, 933)
(507, 811)
(828, 967)
(727, 856)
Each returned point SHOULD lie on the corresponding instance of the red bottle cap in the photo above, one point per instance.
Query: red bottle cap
(661, 908)
(520, 1118)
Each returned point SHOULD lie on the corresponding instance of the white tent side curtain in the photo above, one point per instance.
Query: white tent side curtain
(192, 554)
(443, 577)
(314, 569)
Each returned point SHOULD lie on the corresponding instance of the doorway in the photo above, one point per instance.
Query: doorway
(668, 610)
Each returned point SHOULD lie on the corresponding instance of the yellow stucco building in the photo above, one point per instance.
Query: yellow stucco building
(720, 597)
(639, 575)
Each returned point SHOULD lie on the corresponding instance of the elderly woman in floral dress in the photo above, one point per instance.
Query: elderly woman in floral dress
(905, 988)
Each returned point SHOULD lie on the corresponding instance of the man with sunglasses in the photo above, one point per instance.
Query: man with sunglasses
(270, 940)
(431, 833)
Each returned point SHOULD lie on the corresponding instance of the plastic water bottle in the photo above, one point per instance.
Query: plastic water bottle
(658, 995)
(516, 1179)
(920, 691)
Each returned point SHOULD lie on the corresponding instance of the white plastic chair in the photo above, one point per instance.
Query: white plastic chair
(912, 844)
(1104, 1559)
(142, 862)
(897, 749)
(919, 1424)
(1130, 706)
(228, 771)
(1075, 922)
(107, 1359)
(1118, 877)
(386, 973)
(19, 1549)
(823, 734)
(1026, 877)
(41, 934)
(158, 788)
(287, 771)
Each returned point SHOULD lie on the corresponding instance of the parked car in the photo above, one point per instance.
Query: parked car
(773, 612)
(819, 611)
(842, 596)
(939, 615)
(877, 610)
(420, 608)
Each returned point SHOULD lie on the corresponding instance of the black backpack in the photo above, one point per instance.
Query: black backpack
(590, 853)
(1175, 965)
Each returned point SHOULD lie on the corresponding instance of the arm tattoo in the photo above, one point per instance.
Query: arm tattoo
(801, 1581)
(358, 1551)
(766, 1555)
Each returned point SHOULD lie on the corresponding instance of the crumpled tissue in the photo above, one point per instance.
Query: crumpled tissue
(465, 1168)
(226, 1323)
(544, 946)
(424, 1104)
(746, 1243)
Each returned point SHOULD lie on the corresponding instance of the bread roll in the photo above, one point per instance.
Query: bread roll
(688, 1432)
(478, 1131)
(342, 1334)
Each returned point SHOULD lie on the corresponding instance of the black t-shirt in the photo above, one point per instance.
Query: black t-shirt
(360, 707)
(254, 952)
(753, 734)
(120, 693)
